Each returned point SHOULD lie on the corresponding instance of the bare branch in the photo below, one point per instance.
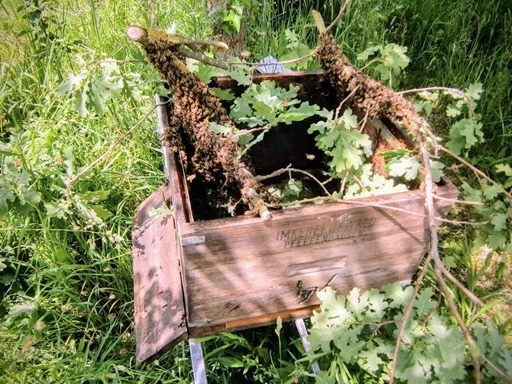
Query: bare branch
(472, 167)
(426, 89)
(455, 313)
(338, 110)
(319, 21)
(462, 222)
(457, 201)
(143, 35)
(187, 52)
(248, 131)
(406, 316)
(338, 18)
(459, 285)
(289, 169)
(330, 199)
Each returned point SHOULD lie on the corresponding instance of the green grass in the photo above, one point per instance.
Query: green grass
(66, 303)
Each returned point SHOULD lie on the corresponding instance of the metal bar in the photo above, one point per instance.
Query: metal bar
(303, 332)
(198, 367)
(162, 121)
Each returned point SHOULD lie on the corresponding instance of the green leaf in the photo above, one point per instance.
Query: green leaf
(505, 360)
(98, 102)
(256, 140)
(223, 94)
(424, 304)
(368, 52)
(59, 210)
(424, 106)
(230, 362)
(245, 138)
(101, 212)
(354, 303)
(264, 111)
(108, 84)
(74, 81)
(407, 167)
(240, 73)
(292, 190)
(349, 343)
(69, 160)
(507, 170)
(464, 134)
(499, 220)
(333, 304)
(304, 111)
(492, 191)
(414, 374)
(497, 239)
(395, 57)
(372, 361)
(80, 101)
(504, 168)
(437, 170)
(95, 196)
(471, 193)
(345, 144)
(205, 73)
(452, 111)
(392, 59)
(31, 196)
(377, 305)
(6, 196)
(220, 129)
(374, 184)
(24, 178)
(234, 17)
(474, 91)
(399, 296)
(241, 109)
(348, 120)
(321, 127)
(450, 341)
(253, 121)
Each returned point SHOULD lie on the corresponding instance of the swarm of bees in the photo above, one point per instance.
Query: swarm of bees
(367, 94)
(211, 160)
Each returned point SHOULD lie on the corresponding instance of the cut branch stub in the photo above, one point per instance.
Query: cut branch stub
(136, 33)
(144, 36)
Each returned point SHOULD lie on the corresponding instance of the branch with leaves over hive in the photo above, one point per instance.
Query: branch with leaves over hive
(211, 158)
(378, 101)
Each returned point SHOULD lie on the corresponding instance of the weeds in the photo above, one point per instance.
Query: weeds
(65, 263)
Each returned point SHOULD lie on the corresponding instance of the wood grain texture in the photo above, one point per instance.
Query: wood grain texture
(158, 300)
(248, 268)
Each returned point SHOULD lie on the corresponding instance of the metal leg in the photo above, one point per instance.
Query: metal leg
(198, 368)
(303, 332)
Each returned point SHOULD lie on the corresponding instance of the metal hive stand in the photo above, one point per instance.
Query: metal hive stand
(197, 358)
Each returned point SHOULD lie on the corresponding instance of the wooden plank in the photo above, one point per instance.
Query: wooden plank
(173, 169)
(250, 268)
(158, 296)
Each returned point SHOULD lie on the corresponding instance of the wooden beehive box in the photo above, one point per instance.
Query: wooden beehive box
(198, 277)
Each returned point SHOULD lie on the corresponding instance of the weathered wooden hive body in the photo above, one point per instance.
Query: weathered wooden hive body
(199, 277)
